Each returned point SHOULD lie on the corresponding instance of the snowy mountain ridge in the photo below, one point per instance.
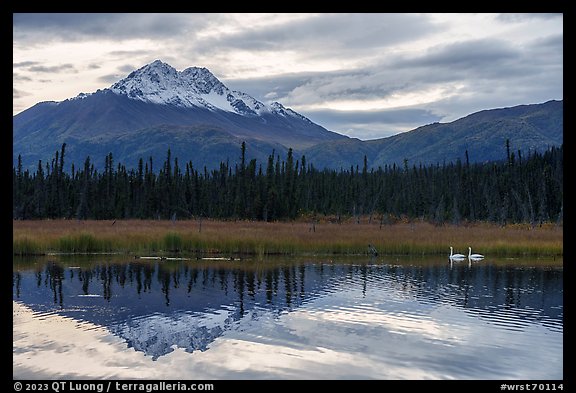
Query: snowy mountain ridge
(154, 106)
(160, 83)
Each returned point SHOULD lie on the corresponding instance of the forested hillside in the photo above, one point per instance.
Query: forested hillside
(483, 134)
(519, 189)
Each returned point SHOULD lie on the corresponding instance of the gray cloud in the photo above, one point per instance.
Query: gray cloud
(115, 26)
(128, 53)
(53, 69)
(127, 68)
(390, 116)
(547, 50)
(521, 17)
(487, 72)
(485, 65)
(18, 93)
(312, 87)
(372, 124)
(339, 30)
(24, 64)
(555, 42)
(470, 54)
(326, 33)
(271, 88)
(18, 77)
(462, 62)
(123, 71)
(110, 78)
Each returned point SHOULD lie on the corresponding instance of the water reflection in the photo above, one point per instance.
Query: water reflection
(156, 306)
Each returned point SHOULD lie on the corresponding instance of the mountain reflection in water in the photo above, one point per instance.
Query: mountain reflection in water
(158, 305)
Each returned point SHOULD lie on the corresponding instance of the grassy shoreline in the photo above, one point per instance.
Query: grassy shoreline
(191, 237)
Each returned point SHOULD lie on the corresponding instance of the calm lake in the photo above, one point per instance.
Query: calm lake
(287, 318)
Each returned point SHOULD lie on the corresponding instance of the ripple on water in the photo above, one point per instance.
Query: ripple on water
(434, 321)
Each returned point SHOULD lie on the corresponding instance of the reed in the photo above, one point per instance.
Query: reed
(288, 238)
(26, 246)
(84, 243)
(172, 242)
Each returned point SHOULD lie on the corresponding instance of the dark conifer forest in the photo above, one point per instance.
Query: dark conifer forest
(522, 188)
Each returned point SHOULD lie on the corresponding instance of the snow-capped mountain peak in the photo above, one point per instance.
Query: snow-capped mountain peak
(160, 83)
(203, 80)
(157, 106)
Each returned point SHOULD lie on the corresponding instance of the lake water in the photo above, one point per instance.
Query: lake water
(287, 318)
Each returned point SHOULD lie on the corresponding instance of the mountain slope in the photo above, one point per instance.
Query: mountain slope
(203, 145)
(483, 134)
(157, 95)
(201, 120)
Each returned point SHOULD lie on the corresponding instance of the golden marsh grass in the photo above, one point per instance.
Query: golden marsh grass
(290, 238)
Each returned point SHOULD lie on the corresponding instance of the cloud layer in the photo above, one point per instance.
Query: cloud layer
(363, 75)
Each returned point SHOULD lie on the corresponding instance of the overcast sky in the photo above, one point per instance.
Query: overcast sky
(362, 75)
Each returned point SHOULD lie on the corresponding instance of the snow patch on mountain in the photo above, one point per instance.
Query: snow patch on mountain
(287, 112)
(160, 83)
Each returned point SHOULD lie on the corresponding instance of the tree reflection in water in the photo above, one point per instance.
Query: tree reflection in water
(155, 305)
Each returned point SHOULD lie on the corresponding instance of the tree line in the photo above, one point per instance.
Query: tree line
(517, 189)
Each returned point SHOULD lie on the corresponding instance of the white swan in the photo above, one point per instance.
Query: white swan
(456, 257)
(474, 257)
